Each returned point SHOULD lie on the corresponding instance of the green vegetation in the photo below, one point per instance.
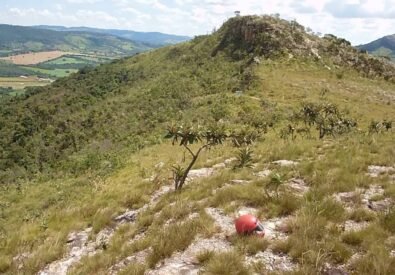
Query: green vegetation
(29, 39)
(209, 137)
(234, 264)
(383, 47)
(11, 70)
(77, 153)
(55, 73)
(152, 38)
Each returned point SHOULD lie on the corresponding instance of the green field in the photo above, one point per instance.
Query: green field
(64, 60)
(18, 83)
(71, 59)
(14, 76)
(51, 72)
(5, 52)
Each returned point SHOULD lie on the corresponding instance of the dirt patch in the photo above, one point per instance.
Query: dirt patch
(297, 186)
(186, 262)
(33, 58)
(138, 257)
(263, 174)
(371, 198)
(276, 228)
(355, 226)
(79, 246)
(374, 170)
(222, 221)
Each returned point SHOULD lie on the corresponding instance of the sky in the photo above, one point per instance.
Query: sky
(359, 21)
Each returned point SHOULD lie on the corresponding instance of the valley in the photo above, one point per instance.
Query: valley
(52, 53)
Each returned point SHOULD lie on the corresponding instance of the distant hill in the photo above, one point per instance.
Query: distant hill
(18, 39)
(384, 46)
(154, 38)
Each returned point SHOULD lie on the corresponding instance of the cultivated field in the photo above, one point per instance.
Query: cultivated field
(22, 82)
(34, 58)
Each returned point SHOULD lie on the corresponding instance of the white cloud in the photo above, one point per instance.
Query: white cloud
(83, 1)
(356, 20)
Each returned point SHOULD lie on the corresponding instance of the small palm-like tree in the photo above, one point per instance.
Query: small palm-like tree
(207, 137)
(187, 136)
(326, 118)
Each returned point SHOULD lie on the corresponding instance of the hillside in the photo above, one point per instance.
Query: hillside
(86, 172)
(18, 39)
(384, 46)
(152, 38)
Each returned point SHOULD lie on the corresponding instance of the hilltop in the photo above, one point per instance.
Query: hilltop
(152, 38)
(384, 47)
(87, 173)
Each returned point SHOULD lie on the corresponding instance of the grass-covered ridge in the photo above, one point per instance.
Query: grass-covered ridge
(122, 105)
(77, 122)
(91, 128)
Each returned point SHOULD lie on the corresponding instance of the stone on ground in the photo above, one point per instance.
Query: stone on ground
(200, 173)
(222, 221)
(263, 174)
(298, 186)
(374, 170)
(355, 226)
(286, 163)
(272, 262)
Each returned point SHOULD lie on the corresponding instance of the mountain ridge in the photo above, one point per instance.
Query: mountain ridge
(238, 45)
(153, 38)
(384, 47)
(19, 39)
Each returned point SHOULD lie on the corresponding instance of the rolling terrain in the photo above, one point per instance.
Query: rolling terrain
(18, 39)
(42, 53)
(87, 174)
(152, 38)
(384, 47)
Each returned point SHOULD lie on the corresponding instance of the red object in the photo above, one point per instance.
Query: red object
(248, 224)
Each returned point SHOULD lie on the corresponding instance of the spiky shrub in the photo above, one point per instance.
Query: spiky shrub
(326, 118)
(244, 158)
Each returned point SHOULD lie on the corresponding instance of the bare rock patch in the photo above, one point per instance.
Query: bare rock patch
(272, 262)
(355, 226)
(298, 186)
(285, 163)
(374, 170)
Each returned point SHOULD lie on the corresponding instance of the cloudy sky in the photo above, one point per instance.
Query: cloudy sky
(359, 21)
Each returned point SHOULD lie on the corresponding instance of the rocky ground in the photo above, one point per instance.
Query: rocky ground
(79, 244)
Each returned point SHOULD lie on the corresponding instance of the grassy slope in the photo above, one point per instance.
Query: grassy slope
(123, 106)
(44, 213)
(37, 215)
